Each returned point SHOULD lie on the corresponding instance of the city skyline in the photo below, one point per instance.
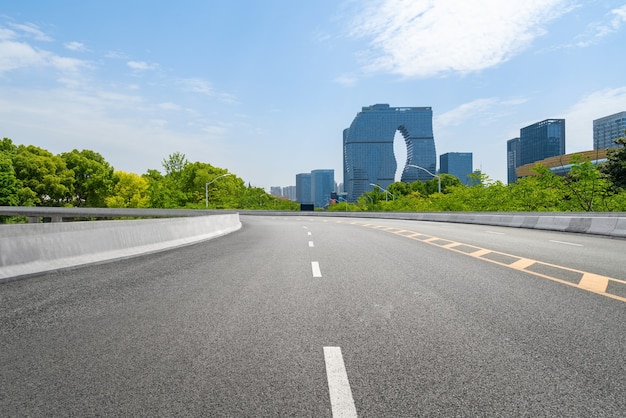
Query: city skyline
(265, 89)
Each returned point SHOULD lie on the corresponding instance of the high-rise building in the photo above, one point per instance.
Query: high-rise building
(458, 164)
(368, 156)
(542, 140)
(322, 185)
(303, 188)
(290, 192)
(513, 152)
(607, 129)
(276, 191)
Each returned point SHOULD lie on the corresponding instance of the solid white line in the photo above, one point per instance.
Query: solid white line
(495, 233)
(311, 244)
(341, 401)
(566, 243)
(315, 266)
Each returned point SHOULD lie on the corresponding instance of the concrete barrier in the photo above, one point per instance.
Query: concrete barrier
(29, 249)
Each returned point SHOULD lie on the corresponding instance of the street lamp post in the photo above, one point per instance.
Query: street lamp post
(434, 175)
(387, 192)
(206, 187)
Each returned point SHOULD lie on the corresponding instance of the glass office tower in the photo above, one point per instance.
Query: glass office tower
(322, 185)
(542, 140)
(607, 129)
(303, 188)
(368, 156)
(458, 164)
(513, 151)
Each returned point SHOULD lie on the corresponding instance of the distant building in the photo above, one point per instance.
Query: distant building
(303, 188)
(290, 192)
(562, 164)
(458, 164)
(322, 185)
(276, 191)
(513, 151)
(542, 140)
(607, 129)
(368, 156)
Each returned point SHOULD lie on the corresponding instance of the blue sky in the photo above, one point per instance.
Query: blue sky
(265, 88)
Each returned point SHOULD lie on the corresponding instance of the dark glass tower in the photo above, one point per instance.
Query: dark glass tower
(542, 140)
(513, 154)
(368, 156)
(458, 164)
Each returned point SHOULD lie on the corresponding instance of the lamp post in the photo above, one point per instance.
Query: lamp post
(387, 192)
(206, 187)
(434, 175)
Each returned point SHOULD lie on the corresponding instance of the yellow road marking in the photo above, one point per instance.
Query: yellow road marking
(591, 282)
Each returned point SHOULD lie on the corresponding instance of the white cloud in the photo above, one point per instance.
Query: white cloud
(32, 30)
(426, 38)
(579, 117)
(15, 55)
(142, 65)
(75, 46)
(7, 34)
(596, 31)
(197, 85)
(482, 110)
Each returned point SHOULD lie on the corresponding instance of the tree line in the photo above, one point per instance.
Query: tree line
(33, 176)
(585, 188)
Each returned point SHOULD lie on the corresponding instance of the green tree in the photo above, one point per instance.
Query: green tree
(45, 178)
(9, 185)
(93, 177)
(130, 191)
(615, 166)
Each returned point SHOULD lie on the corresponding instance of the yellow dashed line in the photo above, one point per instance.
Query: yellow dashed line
(590, 282)
(522, 264)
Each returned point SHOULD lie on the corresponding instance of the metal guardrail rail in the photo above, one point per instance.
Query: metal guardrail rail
(57, 214)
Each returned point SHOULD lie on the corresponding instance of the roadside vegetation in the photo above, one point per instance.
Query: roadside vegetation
(32, 176)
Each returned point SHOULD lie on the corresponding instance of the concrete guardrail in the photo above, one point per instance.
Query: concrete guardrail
(29, 249)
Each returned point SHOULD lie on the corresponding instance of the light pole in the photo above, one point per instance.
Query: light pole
(434, 175)
(387, 192)
(206, 187)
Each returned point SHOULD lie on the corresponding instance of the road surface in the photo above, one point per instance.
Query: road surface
(321, 317)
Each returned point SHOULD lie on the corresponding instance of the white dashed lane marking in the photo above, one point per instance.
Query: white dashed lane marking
(341, 401)
(315, 267)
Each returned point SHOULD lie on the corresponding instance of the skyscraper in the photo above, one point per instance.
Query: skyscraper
(368, 156)
(322, 185)
(607, 129)
(303, 188)
(542, 140)
(458, 164)
(513, 152)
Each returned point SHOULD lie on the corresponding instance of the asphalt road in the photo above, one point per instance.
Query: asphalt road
(327, 317)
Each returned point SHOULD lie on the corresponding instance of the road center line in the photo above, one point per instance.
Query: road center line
(309, 233)
(315, 266)
(341, 401)
(566, 243)
(311, 244)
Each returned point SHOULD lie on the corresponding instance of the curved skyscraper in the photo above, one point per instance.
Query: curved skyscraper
(368, 156)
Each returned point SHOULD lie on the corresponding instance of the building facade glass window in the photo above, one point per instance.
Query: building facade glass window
(542, 140)
(607, 129)
(322, 185)
(368, 156)
(303, 188)
(459, 164)
(513, 152)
